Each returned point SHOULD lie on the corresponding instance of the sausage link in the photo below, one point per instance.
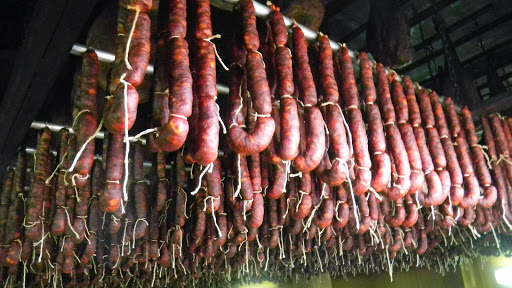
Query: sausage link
(315, 141)
(302, 71)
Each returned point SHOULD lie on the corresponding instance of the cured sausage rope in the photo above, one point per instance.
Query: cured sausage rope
(381, 166)
(289, 114)
(363, 165)
(257, 85)
(401, 182)
(438, 191)
(86, 115)
(315, 141)
(402, 114)
(336, 175)
(126, 76)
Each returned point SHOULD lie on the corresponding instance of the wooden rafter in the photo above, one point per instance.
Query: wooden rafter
(54, 27)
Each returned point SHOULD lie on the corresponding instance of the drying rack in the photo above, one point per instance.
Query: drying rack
(262, 11)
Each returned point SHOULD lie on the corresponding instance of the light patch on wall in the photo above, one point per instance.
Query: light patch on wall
(264, 284)
(503, 276)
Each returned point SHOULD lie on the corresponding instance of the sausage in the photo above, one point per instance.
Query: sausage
(246, 190)
(205, 148)
(87, 85)
(251, 39)
(402, 115)
(85, 114)
(81, 211)
(34, 206)
(260, 137)
(439, 115)
(138, 52)
(498, 175)
(324, 217)
(452, 165)
(4, 210)
(401, 182)
(411, 212)
(398, 218)
(114, 115)
(472, 187)
(290, 125)
(365, 224)
(326, 69)
(315, 141)
(501, 144)
(452, 118)
(214, 190)
(289, 114)
(305, 201)
(480, 164)
(302, 70)
(14, 228)
(177, 22)
(373, 205)
(412, 105)
(257, 211)
(93, 224)
(173, 133)
(433, 157)
(381, 163)
(333, 115)
(141, 5)
(338, 144)
(205, 144)
(362, 159)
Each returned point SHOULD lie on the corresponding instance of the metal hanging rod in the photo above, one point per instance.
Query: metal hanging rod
(38, 125)
(31, 150)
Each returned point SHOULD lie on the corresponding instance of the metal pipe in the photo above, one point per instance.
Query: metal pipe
(31, 150)
(37, 125)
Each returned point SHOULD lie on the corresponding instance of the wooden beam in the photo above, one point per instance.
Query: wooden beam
(458, 24)
(415, 20)
(495, 104)
(54, 27)
(477, 64)
(481, 30)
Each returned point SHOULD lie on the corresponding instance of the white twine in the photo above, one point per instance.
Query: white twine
(224, 131)
(239, 187)
(127, 143)
(356, 216)
(208, 168)
(147, 131)
(217, 36)
(137, 11)
(79, 153)
(503, 203)
(47, 182)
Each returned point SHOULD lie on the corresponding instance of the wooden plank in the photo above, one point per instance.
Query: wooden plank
(477, 64)
(458, 24)
(415, 20)
(470, 36)
(494, 104)
(53, 29)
